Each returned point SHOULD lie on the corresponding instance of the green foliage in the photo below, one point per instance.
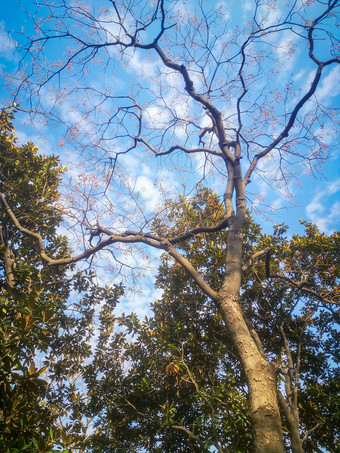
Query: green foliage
(169, 375)
(32, 296)
(88, 322)
(47, 317)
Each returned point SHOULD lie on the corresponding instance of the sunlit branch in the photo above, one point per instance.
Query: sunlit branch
(227, 198)
(8, 260)
(189, 433)
(204, 229)
(305, 437)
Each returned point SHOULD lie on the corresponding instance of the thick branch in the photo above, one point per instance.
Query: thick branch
(253, 258)
(204, 229)
(30, 233)
(285, 408)
(293, 424)
(192, 272)
(305, 437)
(188, 433)
(189, 87)
(331, 6)
(290, 409)
(228, 194)
(289, 358)
(41, 249)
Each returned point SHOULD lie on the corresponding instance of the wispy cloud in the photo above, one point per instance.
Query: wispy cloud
(7, 45)
(330, 86)
(285, 50)
(268, 16)
(223, 8)
(325, 218)
(45, 144)
(247, 6)
(140, 65)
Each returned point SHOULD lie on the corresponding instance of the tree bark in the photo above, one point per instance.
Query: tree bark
(260, 373)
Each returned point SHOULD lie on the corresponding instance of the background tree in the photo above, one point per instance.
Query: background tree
(37, 310)
(231, 111)
(32, 296)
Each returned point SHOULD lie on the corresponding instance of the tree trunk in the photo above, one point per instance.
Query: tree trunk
(260, 373)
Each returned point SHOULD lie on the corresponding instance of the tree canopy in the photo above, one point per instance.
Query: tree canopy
(37, 307)
(33, 297)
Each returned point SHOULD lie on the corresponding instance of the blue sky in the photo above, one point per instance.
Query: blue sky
(141, 184)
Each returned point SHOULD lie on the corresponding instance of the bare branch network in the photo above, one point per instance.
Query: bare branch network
(226, 141)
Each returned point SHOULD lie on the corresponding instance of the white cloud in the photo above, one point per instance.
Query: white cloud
(325, 218)
(330, 86)
(183, 9)
(69, 113)
(110, 25)
(286, 51)
(268, 16)
(222, 8)
(45, 145)
(334, 187)
(247, 6)
(138, 303)
(156, 116)
(141, 65)
(148, 191)
(314, 208)
(7, 45)
(277, 204)
(152, 187)
(299, 75)
(172, 78)
(130, 163)
(325, 223)
(268, 184)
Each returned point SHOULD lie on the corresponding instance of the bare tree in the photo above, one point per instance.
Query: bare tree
(206, 97)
